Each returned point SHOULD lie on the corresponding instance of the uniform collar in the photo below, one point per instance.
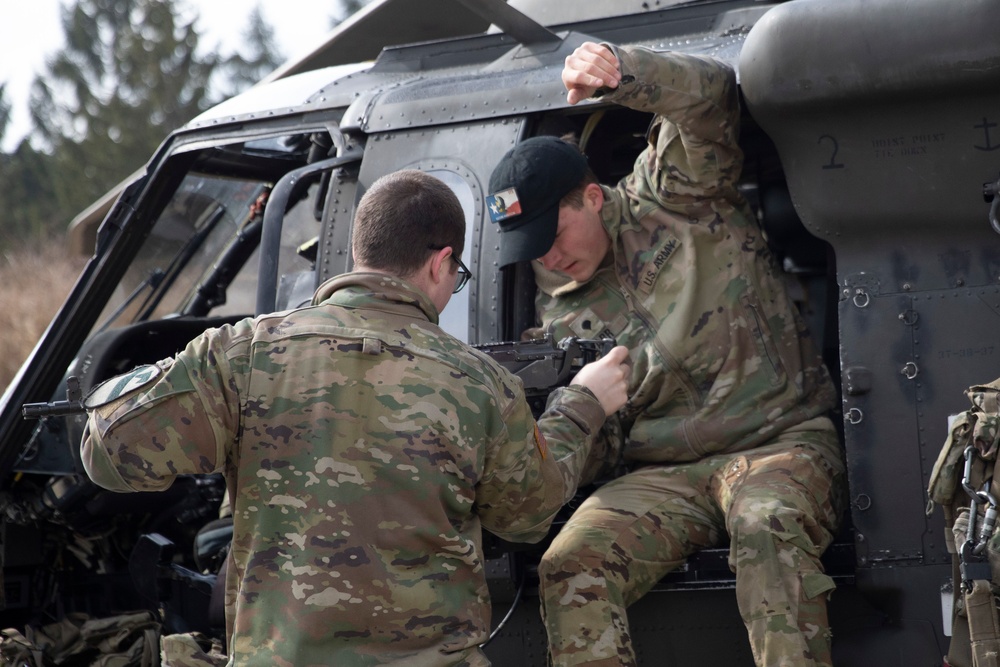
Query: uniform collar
(379, 291)
(611, 213)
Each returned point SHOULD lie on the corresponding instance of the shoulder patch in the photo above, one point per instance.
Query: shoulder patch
(543, 447)
(116, 387)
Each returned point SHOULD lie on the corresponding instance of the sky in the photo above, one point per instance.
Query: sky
(30, 31)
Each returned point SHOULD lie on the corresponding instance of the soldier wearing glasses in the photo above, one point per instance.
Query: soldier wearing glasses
(363, 449)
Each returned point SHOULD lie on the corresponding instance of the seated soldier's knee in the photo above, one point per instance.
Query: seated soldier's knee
(754, 519)
(576, 549)
(774, 528)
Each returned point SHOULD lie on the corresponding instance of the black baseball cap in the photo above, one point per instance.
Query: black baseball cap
(526, 188)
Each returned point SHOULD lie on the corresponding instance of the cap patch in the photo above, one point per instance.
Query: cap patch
(503, 205)
(116, 387)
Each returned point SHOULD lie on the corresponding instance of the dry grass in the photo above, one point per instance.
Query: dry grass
(34, 281)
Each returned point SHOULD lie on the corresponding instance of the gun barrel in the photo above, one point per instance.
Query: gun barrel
(53, 409)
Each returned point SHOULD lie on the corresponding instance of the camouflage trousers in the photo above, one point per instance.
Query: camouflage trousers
(779, 506)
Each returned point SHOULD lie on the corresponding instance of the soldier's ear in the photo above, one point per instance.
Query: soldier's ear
(439, 280)
(439, 265)
(593, 196)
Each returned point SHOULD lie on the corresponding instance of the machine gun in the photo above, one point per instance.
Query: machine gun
(71, 406)
(542, 364)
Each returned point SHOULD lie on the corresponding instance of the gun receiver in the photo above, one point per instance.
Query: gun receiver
(542, 364)
(71, 406)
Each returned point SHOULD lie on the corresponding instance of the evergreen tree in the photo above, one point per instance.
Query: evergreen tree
(4, 111)
(28, 207)
(261, 59)
(130, 73)
(128, 76)
(26, 199)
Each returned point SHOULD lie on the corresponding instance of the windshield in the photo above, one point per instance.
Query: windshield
(200, 219)
(187, 267)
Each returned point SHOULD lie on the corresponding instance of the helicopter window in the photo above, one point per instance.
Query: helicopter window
(185, 254)
(455, 318)
(204, 213)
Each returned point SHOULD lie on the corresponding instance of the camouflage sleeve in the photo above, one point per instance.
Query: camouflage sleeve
(572, 417)
(532, 470)
(694, 138)
(178, 417)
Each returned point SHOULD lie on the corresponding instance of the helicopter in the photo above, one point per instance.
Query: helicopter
(871, 134)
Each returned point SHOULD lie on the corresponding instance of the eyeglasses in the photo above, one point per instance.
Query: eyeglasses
(464, 275)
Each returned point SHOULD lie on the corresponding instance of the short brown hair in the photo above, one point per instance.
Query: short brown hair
(401, 217)
(574, 198)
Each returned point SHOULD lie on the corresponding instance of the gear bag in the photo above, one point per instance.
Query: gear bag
(127, 640)
(966, 483)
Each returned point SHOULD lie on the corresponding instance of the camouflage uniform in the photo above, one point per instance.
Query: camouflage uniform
(363, 448)
(726, 388)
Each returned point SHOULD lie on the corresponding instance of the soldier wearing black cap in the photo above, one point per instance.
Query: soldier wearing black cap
(727, 432)
(548, 168)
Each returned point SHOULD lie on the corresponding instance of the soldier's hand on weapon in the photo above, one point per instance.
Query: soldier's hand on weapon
(607, 378)
(589, 67)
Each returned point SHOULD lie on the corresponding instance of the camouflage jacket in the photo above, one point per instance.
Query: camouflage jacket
(363, 449)
(722, 360)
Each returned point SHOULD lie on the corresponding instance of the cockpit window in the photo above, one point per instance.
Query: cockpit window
(194, 227)
(201, 256)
